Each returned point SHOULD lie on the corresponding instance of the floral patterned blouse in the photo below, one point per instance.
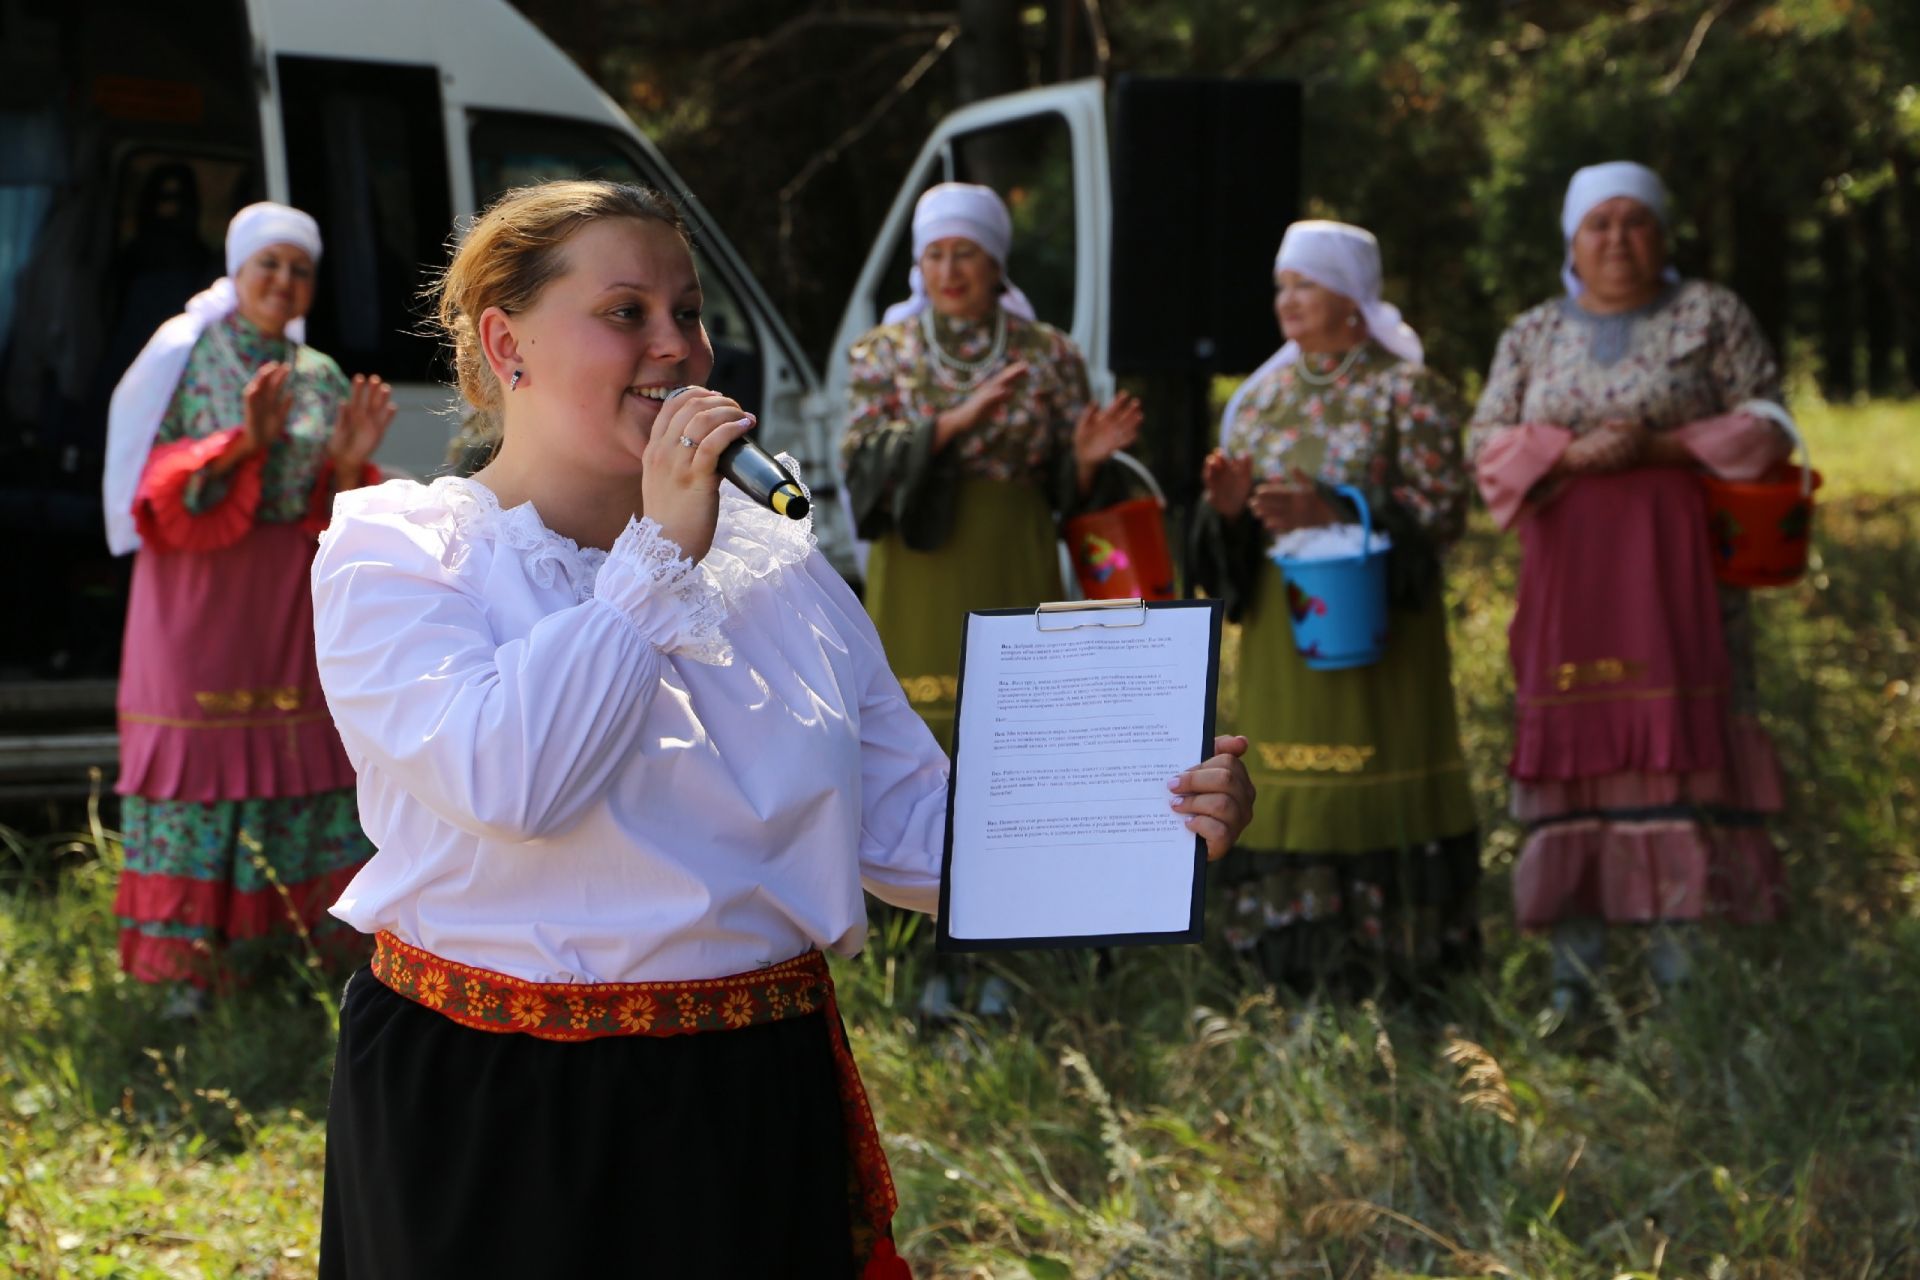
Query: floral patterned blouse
(211, 399)
(1692, 353)
(897, 386)
(1387, 427)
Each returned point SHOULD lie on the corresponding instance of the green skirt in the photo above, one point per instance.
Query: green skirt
(1001, 555)
(1350, 761)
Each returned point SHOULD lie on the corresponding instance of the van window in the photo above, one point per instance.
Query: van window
(367, 157)
(514, 149)
(1030, 163)
(32, 166)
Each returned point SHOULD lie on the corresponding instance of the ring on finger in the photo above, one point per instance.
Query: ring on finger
(687, 442)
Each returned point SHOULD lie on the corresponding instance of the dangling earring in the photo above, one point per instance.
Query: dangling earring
(515, 384)
(1353, 319)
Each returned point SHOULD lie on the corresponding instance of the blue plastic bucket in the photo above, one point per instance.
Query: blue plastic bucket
(1339, 606)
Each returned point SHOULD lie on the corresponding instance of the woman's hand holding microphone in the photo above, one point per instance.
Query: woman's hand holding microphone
(680, 487)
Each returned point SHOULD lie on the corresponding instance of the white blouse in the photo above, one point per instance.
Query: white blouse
(593, 766)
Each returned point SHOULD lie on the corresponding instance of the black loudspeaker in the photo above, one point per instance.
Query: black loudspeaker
(1206, 177)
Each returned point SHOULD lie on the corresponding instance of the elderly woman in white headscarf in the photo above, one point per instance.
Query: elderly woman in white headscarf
(972, 429)
(226, 441)
(1639, 767)
(1359, 871)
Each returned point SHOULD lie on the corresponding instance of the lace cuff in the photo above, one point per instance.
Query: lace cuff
(677, 607)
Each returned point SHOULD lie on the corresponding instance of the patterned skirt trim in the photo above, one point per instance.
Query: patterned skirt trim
(161, 952)
(200, 878)
(487, 1001)
(205, 907)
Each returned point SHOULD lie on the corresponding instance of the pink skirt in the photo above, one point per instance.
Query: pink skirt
(1642, 792)
(219, 692)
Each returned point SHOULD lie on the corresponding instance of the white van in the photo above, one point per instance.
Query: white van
(130, 130)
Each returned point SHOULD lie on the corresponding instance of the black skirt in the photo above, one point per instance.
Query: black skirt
(459, 1153)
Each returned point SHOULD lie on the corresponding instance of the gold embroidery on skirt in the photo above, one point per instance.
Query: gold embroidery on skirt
(920, 689)
(1569, 676)
(1314, 757)
(238, 702)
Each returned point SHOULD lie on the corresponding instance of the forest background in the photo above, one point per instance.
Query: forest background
(1789, 131)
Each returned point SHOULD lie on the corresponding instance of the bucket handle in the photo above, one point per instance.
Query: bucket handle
(1778, 415)
(1139, 469)
(1359, 500)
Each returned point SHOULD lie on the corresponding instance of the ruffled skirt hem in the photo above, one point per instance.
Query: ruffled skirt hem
(1641, 872)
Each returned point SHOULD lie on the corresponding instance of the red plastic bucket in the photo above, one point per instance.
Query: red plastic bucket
(1120, 552)
(1759, 530)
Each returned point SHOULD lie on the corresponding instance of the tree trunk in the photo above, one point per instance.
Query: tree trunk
(1760, 252)
(1903, 267)
(1876, 294)
(1837, 316)
(986, 59)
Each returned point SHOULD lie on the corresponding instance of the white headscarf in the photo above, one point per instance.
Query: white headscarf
(971, 212)
(1595, 185)
(145, 390)
(1345, 259)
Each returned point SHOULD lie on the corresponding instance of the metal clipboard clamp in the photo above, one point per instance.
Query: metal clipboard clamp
(1107, 613)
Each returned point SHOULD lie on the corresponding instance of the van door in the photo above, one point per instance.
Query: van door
(1045, 152)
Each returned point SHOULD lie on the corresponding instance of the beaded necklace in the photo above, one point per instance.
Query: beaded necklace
(1306, 374)
(951, 370)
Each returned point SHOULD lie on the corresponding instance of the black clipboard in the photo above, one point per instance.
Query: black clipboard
(1051, 618)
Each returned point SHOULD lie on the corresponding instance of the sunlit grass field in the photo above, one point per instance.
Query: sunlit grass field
(1166, 1118)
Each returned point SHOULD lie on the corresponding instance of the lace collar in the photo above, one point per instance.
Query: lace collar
(476, 513)
(751, 545)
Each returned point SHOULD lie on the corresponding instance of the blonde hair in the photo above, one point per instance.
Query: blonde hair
(512, 253)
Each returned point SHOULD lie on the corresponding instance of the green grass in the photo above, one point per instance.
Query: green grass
(1163, 1119)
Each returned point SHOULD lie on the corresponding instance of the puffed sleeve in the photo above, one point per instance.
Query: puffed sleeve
(1069, 391)
(1743, 365)
(1742, 441)
(182, 506)
(888, 455)
(1430, 476)
(1505, 390)
(1227, 556)
(903, 771)
(510, 741)
(1511, 457)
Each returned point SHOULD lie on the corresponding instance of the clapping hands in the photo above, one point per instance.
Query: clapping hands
(361, 426)
(1612, 446)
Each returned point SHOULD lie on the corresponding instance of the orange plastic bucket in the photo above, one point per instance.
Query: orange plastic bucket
(1121, 552)
(1759, 530)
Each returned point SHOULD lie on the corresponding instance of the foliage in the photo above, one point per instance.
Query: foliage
(1448, 126)
(1166, 1118)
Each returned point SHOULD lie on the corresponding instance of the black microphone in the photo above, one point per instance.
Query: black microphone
(759, 474)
